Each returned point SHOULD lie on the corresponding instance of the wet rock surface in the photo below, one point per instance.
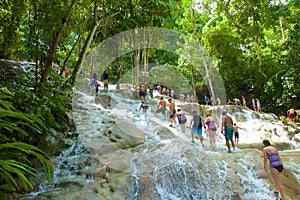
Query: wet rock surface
(121, 154)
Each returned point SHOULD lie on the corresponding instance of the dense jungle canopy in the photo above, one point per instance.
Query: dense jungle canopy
(254, 45)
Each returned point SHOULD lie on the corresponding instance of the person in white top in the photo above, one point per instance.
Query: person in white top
(258, 105)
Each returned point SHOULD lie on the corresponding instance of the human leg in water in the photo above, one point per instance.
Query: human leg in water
(276, 176)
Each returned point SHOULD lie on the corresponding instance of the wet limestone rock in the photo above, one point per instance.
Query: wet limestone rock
(297, 138)
(105, 100)
(117, 181)
(164, 133)
(52, 143)
(116, 161)
(125, 93)
(135, 95)
(126, 86)
(126, 135)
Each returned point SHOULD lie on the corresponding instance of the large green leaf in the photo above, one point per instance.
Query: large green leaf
(14, 172)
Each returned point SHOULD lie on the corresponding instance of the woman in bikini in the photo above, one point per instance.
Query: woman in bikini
(211, 128)
(271, 153)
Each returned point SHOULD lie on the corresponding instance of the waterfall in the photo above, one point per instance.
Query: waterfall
(122, 154)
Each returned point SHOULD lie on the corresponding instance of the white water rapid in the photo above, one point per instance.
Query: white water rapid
(121, 154)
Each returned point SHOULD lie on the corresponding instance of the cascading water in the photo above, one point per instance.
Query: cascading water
(192, 172)
(163, 164)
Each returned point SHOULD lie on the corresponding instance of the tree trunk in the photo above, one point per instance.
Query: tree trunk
(136, 60)
(281, 21)
(145, 58)
(194, 34)
(118, 64)
(86, 45)
(56, 38)
(69, 54)
(136, 67)
(210, 85)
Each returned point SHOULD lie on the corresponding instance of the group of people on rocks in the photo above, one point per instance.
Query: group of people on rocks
(293, 115)
(189, 98)
(94, 82)
(255, 102)
(143, 88)
(256, 105)
(210, 125)
(163, 90)
(228, 128)
(196, 123)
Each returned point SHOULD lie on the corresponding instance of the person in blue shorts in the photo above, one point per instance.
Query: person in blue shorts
(196, 127)
(206, 100)
(143, 93)
(144, 107)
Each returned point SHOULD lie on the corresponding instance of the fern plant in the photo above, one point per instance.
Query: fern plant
(15, 156)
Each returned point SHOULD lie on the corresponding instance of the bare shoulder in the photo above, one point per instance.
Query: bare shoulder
(270, 149)
(273, 149)
(265, 148)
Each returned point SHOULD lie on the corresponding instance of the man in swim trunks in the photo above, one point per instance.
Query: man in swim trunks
(172, 111)
(271, 153)
(105, 80)
(258, 106)
(291, 114)
(227, 129)
(161, 107)
(143, 93)
(236, 133)
(151, 88)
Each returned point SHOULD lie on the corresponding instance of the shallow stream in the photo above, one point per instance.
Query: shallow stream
(166, 165)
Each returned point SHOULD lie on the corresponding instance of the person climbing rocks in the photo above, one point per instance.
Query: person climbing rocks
(227, 129)
(181, 120)
(271, 153)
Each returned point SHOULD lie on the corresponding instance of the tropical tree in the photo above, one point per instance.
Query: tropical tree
(11, 16)
(282, 86)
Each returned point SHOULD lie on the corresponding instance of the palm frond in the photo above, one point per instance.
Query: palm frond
(15, 165)
(14, 171)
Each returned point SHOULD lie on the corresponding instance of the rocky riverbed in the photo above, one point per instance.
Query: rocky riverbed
(118, 153)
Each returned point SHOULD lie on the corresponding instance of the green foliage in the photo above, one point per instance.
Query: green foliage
(11, 14)
(15, 125)
(15, 166)
(168, 76)
(253, 44)
(50, 103)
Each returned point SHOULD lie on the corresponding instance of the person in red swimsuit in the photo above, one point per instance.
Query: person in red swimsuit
(291, 114)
